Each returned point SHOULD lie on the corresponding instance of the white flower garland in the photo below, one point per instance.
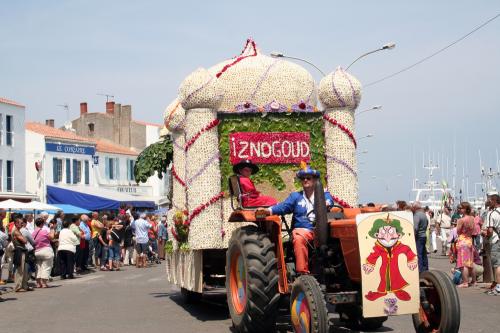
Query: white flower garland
(340, 93)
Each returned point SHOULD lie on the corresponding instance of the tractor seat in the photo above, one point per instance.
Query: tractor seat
(235, 193)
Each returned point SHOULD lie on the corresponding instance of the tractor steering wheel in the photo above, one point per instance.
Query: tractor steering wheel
(338, 206)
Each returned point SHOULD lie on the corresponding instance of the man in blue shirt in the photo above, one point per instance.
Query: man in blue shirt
(301, 204)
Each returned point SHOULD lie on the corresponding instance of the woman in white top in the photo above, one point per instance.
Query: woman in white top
(66, 251)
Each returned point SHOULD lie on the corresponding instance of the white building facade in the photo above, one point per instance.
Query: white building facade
(12, 151)
(83, 165)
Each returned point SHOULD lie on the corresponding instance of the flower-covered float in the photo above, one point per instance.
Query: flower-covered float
(251, 107)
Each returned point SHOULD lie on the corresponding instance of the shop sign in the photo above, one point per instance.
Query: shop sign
(270, 148)
(69, 149)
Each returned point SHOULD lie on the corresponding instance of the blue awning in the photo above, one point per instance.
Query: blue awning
(70, 209)
(58, 195)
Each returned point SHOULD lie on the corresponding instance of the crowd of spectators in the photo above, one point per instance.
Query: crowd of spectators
(42, 248)
(468, 236)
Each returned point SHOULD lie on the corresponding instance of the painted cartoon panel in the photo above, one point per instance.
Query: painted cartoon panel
(389, 265)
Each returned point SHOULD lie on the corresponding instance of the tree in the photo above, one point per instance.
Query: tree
(154, 158)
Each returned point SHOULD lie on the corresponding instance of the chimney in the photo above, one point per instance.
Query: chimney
(83, 108)
(49, 122)
(110, 108)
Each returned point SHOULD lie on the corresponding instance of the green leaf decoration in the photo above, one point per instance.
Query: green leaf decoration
(154, 158)
(273, 122)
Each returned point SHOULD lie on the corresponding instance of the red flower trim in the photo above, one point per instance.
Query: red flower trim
(176, 176)
(334, 122)
(204, 206)
(238, 59)
(211, 125)
(341, 202)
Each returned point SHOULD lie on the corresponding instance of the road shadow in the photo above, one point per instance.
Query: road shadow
(336, 326)
(211, 307)
(6, 299)
(50, 286)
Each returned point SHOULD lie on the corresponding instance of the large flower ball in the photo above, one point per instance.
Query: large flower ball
(340, 89)
(200, 90)
(174, 116)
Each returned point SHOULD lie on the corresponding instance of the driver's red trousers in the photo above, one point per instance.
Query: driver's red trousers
(301, 236)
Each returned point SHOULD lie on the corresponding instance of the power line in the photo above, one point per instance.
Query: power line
(433, 54)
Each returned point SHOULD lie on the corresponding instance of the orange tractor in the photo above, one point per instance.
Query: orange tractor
(263, 290)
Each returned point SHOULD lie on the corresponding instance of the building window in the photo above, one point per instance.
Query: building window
(10, 176)
(1, 129)
(68, 171)
(112, 168)
(86, 172)
(1, 176)
(91, 128)
(9, 128)
(130, 169)
(77, 171)
(57, 165)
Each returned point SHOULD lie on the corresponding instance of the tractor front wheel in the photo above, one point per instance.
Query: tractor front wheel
(307, 306)
(439, 304)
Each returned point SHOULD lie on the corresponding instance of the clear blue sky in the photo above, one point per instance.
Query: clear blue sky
(66, 52)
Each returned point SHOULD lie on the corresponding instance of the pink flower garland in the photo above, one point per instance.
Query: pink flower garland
(211, 125)
(204, 206)
(340, 201)
(176, 176)
(334, 122)
(241, 57)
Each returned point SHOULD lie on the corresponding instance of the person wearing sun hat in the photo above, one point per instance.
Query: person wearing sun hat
(301, 205)
(249, 194)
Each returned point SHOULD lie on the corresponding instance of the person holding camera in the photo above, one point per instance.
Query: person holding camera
(43, 252)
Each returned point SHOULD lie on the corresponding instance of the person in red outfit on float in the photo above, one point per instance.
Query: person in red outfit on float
(249, 194)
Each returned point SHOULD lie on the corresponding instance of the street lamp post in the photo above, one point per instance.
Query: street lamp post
(365, 137)
(374, 108)
(276, 54)
(388, 46)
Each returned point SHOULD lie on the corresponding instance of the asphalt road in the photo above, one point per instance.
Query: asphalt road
(140, 300)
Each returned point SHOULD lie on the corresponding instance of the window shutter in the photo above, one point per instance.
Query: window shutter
(128, 169)
(54, 170)
(117, 165)
(106, 167)
(75, 171)
(68, 171)
(87, 173)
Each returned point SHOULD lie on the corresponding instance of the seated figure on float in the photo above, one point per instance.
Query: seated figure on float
(301, 205)
(249, 195)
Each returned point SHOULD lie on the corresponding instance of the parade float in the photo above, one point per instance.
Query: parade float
(258, 107)
(272, 112)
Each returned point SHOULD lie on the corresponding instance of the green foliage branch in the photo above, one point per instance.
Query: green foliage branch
(277, 122)
(154, 158)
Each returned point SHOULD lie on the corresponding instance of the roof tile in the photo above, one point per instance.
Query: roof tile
(101, 145)
(8, 101)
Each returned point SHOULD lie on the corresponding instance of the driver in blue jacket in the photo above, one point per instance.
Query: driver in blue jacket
(301, 205)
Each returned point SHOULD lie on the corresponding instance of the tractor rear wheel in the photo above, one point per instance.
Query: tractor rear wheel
(307, 306)
(252, 281)
(439, 304)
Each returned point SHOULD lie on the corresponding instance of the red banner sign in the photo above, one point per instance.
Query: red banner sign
(270, 148)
